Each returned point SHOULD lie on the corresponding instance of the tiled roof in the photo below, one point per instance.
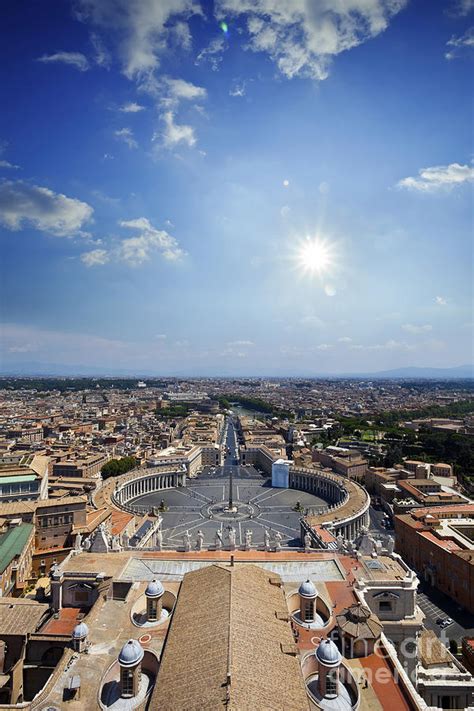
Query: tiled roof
(20, 617)
(227, 647)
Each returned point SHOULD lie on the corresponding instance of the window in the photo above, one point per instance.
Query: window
(331, 683)
(127, 682)
(385, 606)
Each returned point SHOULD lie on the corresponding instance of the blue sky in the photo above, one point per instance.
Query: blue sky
(265, 187)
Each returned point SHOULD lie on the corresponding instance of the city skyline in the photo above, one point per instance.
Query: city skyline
(237, 188)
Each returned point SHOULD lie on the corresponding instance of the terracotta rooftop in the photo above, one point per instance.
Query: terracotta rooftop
(359, 622)
(120, 519)
(226, 623)
(446, 543)
(19, 616)
(21, 507)
(64, 623)
(440, 510)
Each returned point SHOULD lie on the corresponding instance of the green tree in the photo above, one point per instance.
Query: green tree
(115, 467)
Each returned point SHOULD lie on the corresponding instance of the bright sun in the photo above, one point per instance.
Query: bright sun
(314, 256)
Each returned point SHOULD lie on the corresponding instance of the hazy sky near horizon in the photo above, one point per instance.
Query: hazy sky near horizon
(244, 186)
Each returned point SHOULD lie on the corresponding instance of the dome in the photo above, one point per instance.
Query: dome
(80, 631)
(154, 589)
(131, 653)
(328, 654)
(307, 589)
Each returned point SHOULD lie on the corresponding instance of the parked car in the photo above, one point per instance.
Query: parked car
(448, 621)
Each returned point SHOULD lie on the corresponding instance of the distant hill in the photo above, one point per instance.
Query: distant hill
(53, 369)
(35, 369)
(460, 372)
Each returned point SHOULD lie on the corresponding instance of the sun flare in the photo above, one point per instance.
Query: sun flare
(314, 256)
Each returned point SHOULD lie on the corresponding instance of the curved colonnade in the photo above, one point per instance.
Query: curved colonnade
(146, 481)
(349, 511)
(346, 514)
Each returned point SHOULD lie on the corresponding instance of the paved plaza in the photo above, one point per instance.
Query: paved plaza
(200, 506)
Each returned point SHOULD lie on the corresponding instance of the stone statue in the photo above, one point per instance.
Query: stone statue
(100, 542)
(218, 540)
(266, 539)
(390, 545)
(366, 542)
(187, 541)
(307, 542)
(125, 539)
(231, 537)
(277, 537)
(377, 548)
(159, 539)
(87, 544)
(199, 540)
(115, 543)
(160, 521)
(340, 542)
(77, 542)
(248, 539)
(349, 547)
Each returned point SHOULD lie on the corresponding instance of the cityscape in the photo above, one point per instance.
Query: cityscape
(236, 355)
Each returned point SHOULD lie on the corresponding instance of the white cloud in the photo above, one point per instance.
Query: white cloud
(169, 93)
(438, 177)
(302, 37)
(22, 348)
(96, 257)
(461, 8)
(131, 108)
(212, 54)
(175, 133)
(238, 89)
(181, 35)
(180, 89)
(390, 345)
(137, 250)
(241, 344)
(144, 28)
(458, 44)
(102, 57)
(74, 59)
(126, 136)
(440, 300)
(7, 164)
(324, 347)
(161, 337)
(345, 339)
(414, 329)
(45, 210)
